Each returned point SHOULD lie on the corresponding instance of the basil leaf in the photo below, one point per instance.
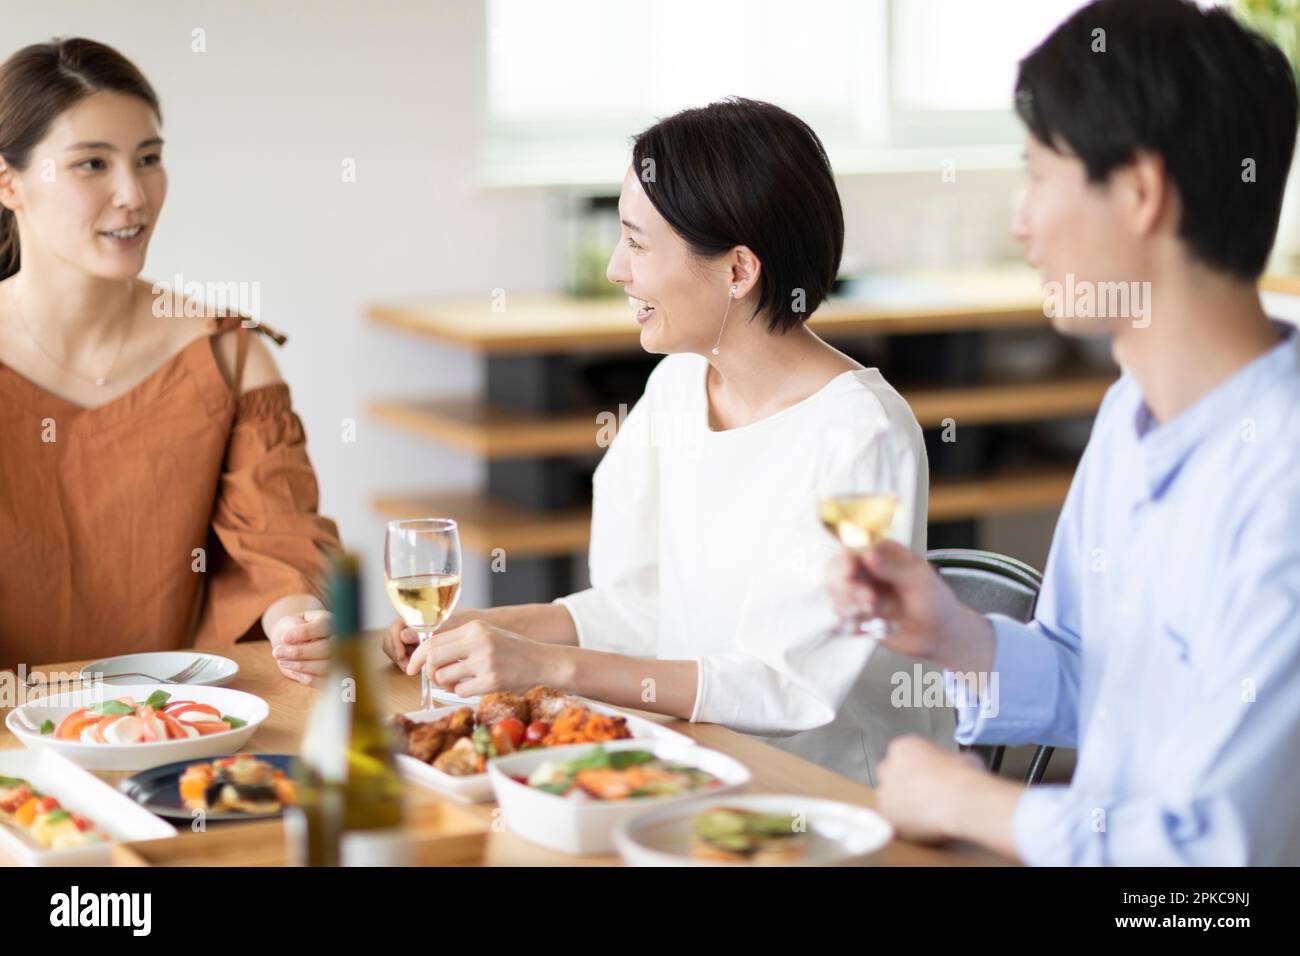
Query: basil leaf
(57, 816)
(47, 727)
(110, 707)
(234, 722)
(157, 699)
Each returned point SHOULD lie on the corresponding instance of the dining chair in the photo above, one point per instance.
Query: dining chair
(992, 583)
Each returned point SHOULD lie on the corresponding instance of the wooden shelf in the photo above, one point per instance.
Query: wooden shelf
(486, 524)
(1073, 394)
(916, 302)
(1032, 488)
(1281, 282)
(478, 427)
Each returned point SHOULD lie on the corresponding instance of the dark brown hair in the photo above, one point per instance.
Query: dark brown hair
(40, 82)
(742, 172)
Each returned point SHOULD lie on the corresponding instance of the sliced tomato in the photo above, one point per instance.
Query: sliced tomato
(70, 729)
(98, 735)
(191, 706)
(82, 823)
(205, 727)
(46, 804)
(67, 721)
(174, 729)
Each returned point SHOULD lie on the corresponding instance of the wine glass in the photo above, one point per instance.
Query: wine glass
(859, 519)
(422, 574)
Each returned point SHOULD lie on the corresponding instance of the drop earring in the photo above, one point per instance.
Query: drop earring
(730, 298)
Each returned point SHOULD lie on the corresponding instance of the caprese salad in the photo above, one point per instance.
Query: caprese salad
(124, 720)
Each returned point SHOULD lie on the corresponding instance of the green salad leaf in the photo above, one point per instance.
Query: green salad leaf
(109, 707)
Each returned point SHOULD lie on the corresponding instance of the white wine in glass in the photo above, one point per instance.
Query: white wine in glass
(858, 521)
(422, 574)
(424, 600)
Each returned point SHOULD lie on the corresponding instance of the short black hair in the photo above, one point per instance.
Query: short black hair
(741, 172)
(1194, 86)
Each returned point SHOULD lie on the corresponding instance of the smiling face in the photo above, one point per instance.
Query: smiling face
(680, 297)
(94, 187)
(1071, 227)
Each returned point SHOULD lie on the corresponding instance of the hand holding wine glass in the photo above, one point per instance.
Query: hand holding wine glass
(859, 520)
(422, 572)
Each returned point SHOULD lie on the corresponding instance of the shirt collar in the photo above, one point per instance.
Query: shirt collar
(1165, 447)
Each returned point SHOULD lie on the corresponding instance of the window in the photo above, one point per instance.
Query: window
(885, 83)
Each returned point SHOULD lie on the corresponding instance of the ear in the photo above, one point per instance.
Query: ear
(8, 187)
(745, 270)
(1145, 192)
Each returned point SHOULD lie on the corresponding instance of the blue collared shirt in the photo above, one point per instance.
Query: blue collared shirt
(1166, 642)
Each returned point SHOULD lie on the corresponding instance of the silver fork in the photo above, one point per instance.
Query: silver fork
(180, 677)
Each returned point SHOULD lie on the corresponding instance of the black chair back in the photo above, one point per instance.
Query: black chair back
(993, 583)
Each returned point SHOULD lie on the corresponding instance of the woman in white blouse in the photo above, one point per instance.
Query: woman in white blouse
(708, 561)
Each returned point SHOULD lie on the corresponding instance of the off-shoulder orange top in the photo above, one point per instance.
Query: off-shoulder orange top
(175, 514)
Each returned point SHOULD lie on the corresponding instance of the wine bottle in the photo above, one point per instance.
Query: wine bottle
(350, 810)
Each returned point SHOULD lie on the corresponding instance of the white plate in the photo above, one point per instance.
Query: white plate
(25, 721)
(478, 788)
(80, 792)
(215, 673)
(839, 833)
(586, 827)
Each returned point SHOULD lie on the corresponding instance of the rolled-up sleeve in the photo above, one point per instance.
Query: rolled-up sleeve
(268, 541)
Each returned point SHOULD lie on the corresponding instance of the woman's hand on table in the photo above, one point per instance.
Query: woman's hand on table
(300, 644)
(926, 619)
(477, 658)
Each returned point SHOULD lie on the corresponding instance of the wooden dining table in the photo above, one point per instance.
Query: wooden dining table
(773, 770)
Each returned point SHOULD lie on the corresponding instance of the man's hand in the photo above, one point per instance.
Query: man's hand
(926, 619)
(917, 785)
(930, 794)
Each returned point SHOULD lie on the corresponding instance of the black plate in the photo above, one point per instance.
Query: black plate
(158, 790)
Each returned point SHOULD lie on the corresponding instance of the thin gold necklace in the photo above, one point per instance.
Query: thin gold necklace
(100, 380)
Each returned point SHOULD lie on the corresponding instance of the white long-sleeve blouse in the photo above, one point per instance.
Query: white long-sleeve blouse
(706, 546)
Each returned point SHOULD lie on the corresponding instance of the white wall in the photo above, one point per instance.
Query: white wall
(257, 130)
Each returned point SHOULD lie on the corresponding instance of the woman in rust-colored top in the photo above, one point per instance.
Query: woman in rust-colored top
(155, 491)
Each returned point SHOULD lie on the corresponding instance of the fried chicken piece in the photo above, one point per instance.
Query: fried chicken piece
(500, 705)
(460, 760)
(545, 703)
(426, 741)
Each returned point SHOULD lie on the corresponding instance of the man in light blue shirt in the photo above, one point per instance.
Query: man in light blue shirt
(1166, 641)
